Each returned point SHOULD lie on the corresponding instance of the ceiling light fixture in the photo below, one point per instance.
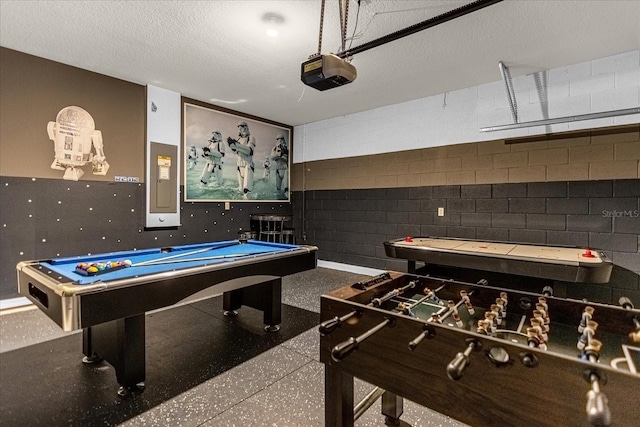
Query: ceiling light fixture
(224, 101)
(273, 21)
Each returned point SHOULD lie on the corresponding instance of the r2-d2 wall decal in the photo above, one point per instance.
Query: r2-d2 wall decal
(74, 134)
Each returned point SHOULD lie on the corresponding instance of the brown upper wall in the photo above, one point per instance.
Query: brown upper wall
(32, 92)
(604, 153)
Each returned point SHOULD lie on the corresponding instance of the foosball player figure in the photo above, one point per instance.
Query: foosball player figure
(498, 314)
(532, 338)
(587, 315)
(539, 315)
(592, 350)
(634, 335)
(545, 314)
(505, 301)
(467, 302)
(435, 318)
(405, 309)
(503, 311)
(483, 325)
(490, 317)
(587, 334)
(454, 313)
(429, 293)
(537, 328)
(543, 301)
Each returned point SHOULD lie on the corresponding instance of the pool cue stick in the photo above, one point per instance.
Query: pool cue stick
(185, 254)
(175, 261)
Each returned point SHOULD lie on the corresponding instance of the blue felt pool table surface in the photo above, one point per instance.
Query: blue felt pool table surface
(160, 260)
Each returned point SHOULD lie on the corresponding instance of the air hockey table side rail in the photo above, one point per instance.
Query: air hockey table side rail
(551, 391)
(573, 264)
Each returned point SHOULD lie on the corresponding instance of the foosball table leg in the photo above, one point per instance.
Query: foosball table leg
(392, 408)
(338, 402)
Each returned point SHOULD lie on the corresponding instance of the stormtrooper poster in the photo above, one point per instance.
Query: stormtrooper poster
(229, 157)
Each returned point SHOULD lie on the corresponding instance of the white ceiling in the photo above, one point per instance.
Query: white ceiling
(218, 52)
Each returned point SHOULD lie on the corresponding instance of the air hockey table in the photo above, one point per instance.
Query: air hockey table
(107, 295)
(555, 263)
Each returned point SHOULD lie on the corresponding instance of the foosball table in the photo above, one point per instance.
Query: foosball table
(483, 355)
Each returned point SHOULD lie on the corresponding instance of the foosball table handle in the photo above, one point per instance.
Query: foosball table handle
(342, 350)
(330, 325)
(456, 367)
(598, 409)
(427, 332)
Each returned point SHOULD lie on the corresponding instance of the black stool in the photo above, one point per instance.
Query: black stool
(270, 226)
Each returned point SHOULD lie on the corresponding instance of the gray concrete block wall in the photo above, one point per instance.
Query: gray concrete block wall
(350, 226)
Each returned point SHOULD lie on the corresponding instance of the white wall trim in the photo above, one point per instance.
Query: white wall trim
(350, 268)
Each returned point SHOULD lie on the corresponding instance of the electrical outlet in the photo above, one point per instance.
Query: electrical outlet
(440, 211)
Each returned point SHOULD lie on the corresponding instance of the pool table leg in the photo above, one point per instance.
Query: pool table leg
(120, 342)
(266, 296)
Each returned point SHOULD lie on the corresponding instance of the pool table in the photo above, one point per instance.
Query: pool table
(109, 305)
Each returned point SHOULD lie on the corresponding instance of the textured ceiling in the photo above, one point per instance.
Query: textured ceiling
(218, 52)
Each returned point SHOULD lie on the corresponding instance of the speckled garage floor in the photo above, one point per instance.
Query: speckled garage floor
(203, 369)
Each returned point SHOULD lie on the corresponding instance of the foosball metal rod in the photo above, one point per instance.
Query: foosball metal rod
(377, 302)
(330, 325)
(456, 306)
(423, 299)
(366, 403)
(523, 320)
(342, 350)
(428, 331)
